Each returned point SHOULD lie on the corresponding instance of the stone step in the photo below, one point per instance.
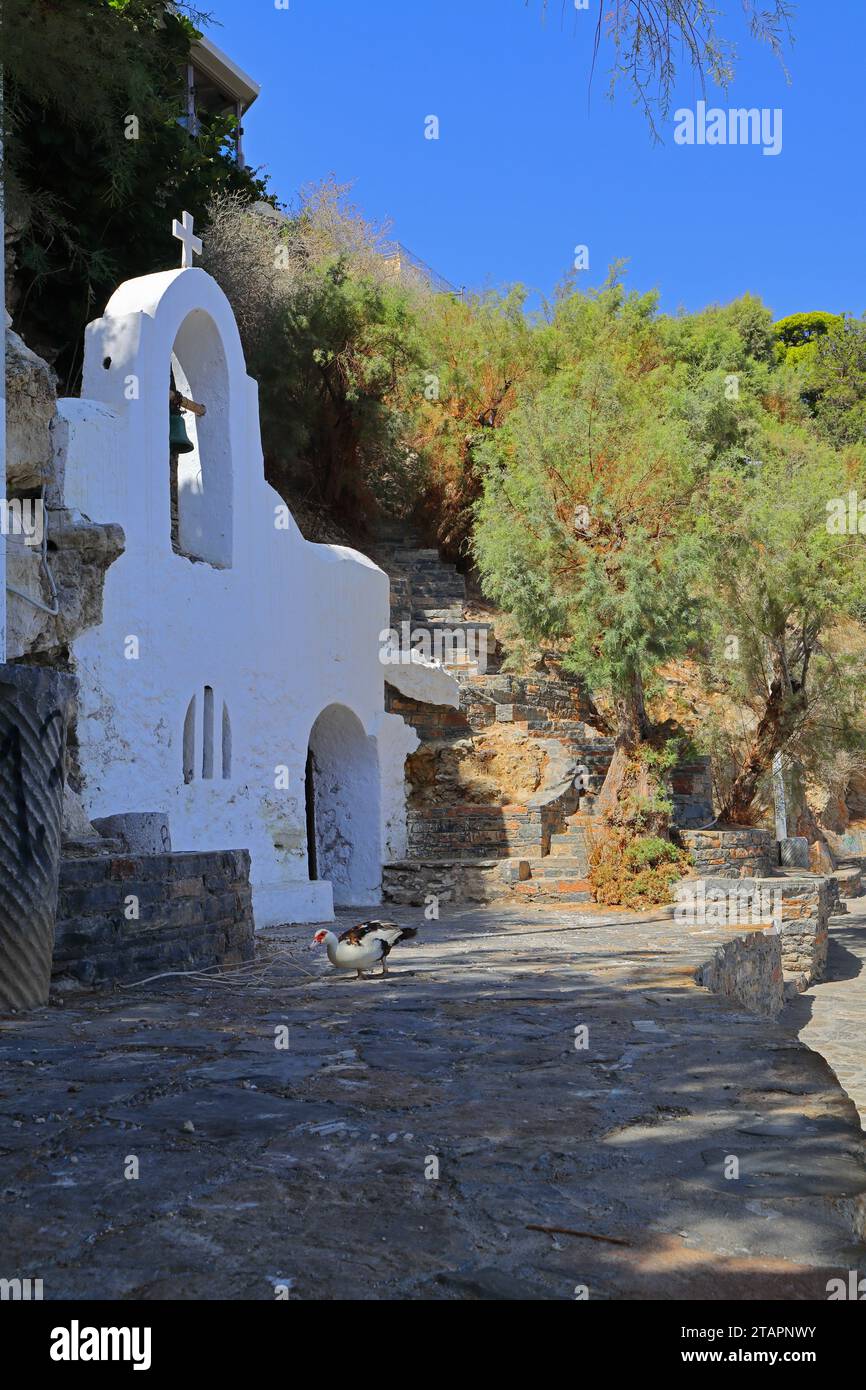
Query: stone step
(454, 591)
(516, 714)
(559, 866)
(431, 618)
(438, 595)
(565, 846)
(435, 576)
(453, 880)
(436, 589)
(448, 638)
(396, 535)
(461, 878)
(459, 625)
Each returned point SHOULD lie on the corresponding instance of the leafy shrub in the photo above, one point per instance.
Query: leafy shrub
(624, 872)
(650, 852)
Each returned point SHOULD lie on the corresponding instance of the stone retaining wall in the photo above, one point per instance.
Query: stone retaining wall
(410, 882)
(194, 910)
(430, 722)
(561, 698)
(481, 831)
(799, 906)
(748, 969)
(805, 929)
(737, 853)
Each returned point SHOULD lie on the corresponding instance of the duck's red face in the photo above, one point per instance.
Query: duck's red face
(319, 938)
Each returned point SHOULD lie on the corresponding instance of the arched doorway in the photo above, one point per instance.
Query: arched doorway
(342, 796)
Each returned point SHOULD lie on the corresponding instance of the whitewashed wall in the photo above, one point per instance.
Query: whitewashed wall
(284, 631)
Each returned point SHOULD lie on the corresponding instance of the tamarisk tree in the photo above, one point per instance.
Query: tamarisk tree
(651, 44)
(582, 531)
(785, 563)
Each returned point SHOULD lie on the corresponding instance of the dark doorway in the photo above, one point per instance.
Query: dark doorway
(310, 795)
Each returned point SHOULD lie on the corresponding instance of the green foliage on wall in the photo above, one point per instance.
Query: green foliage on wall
(88, 207)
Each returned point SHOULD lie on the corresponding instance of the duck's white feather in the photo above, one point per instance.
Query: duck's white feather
(350, 955)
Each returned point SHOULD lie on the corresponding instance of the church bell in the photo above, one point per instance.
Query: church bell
(179, 440)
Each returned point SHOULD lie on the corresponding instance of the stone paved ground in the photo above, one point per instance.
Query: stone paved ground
(831, 1016)
(307, 1166)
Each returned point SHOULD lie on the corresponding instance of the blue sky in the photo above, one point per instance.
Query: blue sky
(528, 165)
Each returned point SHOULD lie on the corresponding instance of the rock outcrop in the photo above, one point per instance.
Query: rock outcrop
(54, 574)
(31, 402)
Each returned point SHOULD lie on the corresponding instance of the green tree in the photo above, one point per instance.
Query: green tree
(583, 530)
(331, 337)
(477, 353)
(798, 335)
(837, 383)
(780, 581)
(86, 205)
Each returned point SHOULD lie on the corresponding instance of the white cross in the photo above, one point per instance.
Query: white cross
(191, 244)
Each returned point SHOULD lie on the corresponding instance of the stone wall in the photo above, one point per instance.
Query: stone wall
(412, 882)
(747, 968)
(799, 907)
(485, 832)
(805, 927)
(736, 853)
(194, 911)
(430, 722)
(692, 793)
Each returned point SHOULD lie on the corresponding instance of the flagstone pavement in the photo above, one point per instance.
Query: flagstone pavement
(831, 1016)
(439, 1134)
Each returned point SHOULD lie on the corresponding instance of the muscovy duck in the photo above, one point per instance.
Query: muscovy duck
(363, 946)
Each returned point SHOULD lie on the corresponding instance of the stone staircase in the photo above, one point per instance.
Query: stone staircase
(428, 595)
(526, 847)
(465, 847)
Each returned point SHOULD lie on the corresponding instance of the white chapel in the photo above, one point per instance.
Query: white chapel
(235, 682)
